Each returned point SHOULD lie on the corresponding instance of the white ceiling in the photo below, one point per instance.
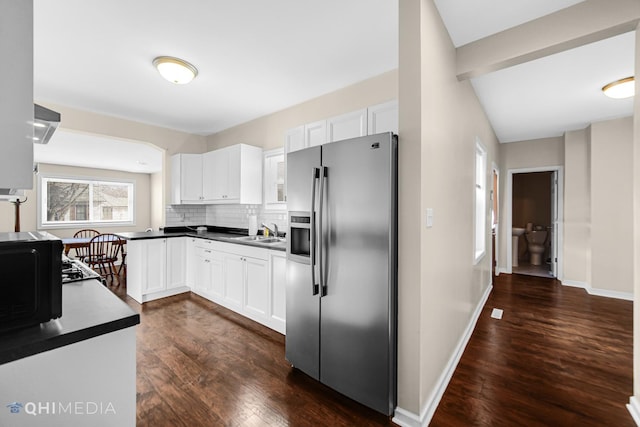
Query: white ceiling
(92, 151)
(546, 97)
(256, 57)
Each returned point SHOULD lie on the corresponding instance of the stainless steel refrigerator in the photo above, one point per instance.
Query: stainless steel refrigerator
(342, 267)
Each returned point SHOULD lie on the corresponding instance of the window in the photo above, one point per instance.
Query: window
(66, 201)
(480, 200)
(275, 196)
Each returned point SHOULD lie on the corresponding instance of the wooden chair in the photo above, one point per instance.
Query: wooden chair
(82, 253)
(103, 253)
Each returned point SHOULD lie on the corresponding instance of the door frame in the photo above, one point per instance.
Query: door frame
(508, 212)
(495, 170)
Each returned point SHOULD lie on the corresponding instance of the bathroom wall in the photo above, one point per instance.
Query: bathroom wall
(531, 202)
(523, 155)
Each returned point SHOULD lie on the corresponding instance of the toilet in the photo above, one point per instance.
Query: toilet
(536, 240)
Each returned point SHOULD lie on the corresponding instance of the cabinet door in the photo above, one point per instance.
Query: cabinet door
(350, 125)
(256, 286)
(202, 274)
(234, 165)
(383, 118)
(176, 262)
(217, 273)
(233, 280)
(315, 133)
(213, 172)
(278, 283)
(154, 261)
(294, 139)
(191, 178)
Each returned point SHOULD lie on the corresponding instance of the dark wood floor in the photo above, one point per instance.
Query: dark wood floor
(558, 357)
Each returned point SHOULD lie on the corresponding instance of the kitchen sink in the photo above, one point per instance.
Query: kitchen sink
(259, 239)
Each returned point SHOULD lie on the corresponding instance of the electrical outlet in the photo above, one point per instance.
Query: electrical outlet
(429, 217)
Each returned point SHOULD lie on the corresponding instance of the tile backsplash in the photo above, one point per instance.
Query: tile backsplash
(236, 216)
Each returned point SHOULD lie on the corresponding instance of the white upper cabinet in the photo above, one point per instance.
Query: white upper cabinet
(368, 121)
(345, 126)
(233, 175)
(186, 179)
(383, 118)
(315, 133)
(16, 87)
(294, 139)
(228, 175)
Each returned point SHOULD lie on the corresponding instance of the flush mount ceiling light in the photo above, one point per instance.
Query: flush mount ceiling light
(175, 70)
(623, 88)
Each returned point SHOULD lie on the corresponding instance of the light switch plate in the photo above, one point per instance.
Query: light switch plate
(429, 217)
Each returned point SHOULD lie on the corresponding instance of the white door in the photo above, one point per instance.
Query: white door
(554, 224)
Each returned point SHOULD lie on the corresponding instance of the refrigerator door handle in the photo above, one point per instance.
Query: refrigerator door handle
(312, 253)
(323, 285)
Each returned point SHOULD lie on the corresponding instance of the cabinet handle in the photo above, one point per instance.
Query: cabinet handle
(207, 251)
(206, 260)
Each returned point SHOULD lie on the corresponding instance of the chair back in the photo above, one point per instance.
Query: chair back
(104, 248)
(83, 252)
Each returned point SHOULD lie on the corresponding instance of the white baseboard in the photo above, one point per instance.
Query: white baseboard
(634, 409)
(501, 270)
(610, 294)
(574, 284)
(406, 418)
(599, 292)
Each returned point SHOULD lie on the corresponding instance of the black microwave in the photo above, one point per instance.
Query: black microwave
(30, 279)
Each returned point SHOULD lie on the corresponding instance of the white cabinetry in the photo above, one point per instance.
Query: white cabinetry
(150, 274)
(186, 179)
(16, 87)
(277, 289)
(383, 118)
(368, 121)
(176, 262)
(350, 125)
(228, 175)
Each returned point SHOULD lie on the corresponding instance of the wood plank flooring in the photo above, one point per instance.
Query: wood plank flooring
(559, 357)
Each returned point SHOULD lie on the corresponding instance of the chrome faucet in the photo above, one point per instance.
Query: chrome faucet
(273, 230)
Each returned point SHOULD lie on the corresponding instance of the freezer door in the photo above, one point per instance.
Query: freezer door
(358, 315)
(302, 340)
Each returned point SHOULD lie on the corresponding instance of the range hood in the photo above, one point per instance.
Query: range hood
(45, 122)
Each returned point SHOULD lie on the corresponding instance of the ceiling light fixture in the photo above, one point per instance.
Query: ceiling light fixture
(175, 70)
(623, 88)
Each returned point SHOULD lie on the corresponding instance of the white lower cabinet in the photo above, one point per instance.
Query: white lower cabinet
(156, 268)
(246, 279)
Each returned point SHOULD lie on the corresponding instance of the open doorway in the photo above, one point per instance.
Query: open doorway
(534, 202)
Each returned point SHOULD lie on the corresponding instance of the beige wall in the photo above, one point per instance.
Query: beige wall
(523, 155)
(577, 207)
(28, 219)
(268, 131)
(612, 205)
(636, 231)
(439, 284)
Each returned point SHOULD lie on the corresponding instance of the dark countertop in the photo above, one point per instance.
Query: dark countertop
(221, 234)
(88, 310)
